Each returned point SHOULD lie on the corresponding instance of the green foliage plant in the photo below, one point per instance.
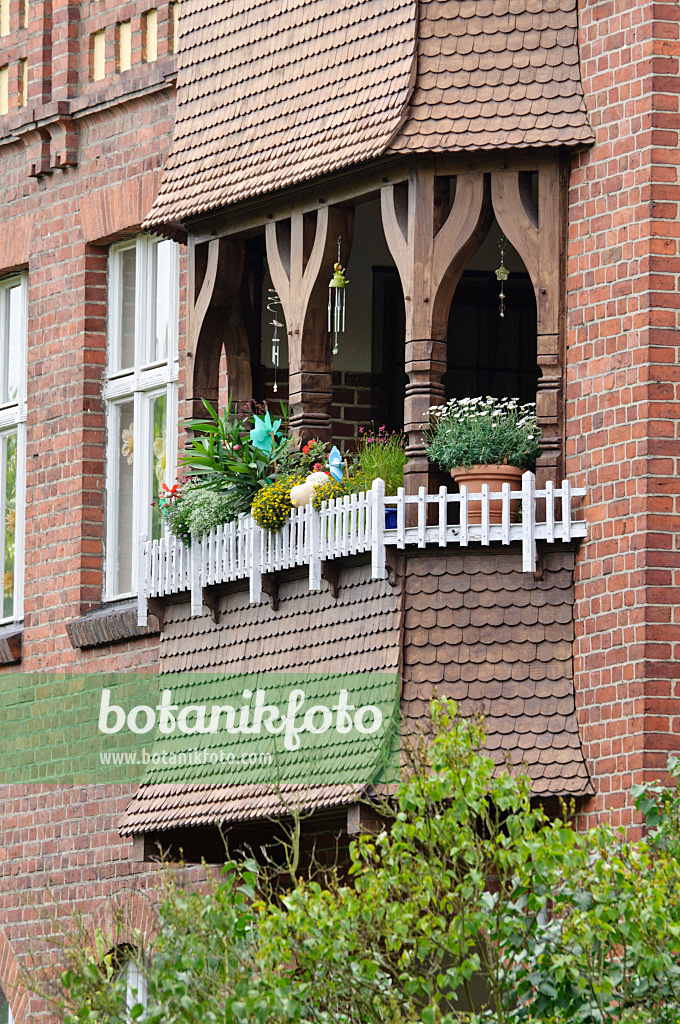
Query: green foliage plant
(468, 906)
(487, 431)
(223, 456)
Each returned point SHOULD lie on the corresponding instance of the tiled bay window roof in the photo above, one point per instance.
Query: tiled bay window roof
(272, 93)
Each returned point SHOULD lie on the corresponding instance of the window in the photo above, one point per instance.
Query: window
(23, 83)
(124, 46)
(141, 398)
(98, 58)
(4, 89)
(151, 36)
(13, 345)
(175, 27)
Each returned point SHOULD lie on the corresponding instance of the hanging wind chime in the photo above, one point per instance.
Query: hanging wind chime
(272, 303)
(336, 301)
(502, 274)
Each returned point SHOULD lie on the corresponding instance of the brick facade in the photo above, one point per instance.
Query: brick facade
(101, 146)
(80, 165)
(623, 395)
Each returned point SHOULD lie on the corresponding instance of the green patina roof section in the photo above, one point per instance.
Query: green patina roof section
(327, 757)
(49, 731)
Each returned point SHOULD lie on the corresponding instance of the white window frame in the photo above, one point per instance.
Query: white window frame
(13, 419)
(139, 383)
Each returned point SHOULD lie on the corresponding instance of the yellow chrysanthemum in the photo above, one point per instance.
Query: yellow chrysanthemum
(11, 520)
(9, 583)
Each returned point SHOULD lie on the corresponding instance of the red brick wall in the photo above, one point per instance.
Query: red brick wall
(102, 165)
(623, 396)
(352, 397)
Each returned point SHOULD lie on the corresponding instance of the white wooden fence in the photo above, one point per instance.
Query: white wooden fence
(349, 526)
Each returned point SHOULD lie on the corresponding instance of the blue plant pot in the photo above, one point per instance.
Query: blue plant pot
(390, 518)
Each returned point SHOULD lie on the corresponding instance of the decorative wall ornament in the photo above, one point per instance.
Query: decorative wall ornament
(336, 300)
(502, 274)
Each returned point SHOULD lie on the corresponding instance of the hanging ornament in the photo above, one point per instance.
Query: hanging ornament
(336, 301)
(502, 274)
(273, 302)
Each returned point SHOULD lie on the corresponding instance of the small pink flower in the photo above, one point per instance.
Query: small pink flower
(236, 447)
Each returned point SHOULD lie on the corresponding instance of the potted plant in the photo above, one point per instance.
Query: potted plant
(484, 441)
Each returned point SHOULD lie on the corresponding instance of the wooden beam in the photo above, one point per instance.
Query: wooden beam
(215, 323)
(538, 236)
(301, 252)
(430, 246)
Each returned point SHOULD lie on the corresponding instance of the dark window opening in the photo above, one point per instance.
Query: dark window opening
(388, 331)
(488, 354)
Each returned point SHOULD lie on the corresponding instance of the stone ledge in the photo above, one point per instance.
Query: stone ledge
(10, 644)
(111, 624)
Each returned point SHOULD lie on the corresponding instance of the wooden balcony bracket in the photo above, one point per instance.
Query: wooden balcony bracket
(301, 252)
(215, 322)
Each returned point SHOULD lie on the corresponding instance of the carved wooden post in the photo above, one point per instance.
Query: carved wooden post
(430, 246)
(301, 254)
(214, 322)
(537, 235)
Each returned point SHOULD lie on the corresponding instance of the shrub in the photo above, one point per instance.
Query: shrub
(483, 431)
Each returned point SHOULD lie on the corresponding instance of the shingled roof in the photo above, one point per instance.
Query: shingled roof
(471, 626)
(494, 74)
(499, 643)
(271, 93)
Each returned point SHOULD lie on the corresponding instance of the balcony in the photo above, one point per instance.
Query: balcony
(352, 525)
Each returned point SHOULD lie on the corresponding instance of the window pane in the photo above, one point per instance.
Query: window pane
(159, 419)
(128, 270)
(126, 454)
(10, 510)
(162, 305)
(14, 347)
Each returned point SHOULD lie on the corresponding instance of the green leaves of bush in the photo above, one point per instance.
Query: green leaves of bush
(469, 905)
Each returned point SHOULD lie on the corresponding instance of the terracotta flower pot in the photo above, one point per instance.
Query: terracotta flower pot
(495, 477)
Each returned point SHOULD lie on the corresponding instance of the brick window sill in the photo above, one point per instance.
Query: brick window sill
(110, 624)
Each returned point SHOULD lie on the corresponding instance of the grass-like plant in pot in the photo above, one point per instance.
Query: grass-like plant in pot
(484, 441)
(380, 454)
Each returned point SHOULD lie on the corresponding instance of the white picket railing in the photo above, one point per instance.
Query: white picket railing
(348, 526)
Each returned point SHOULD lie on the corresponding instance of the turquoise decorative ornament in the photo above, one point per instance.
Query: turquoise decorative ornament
(335, 464)
(263, 433)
